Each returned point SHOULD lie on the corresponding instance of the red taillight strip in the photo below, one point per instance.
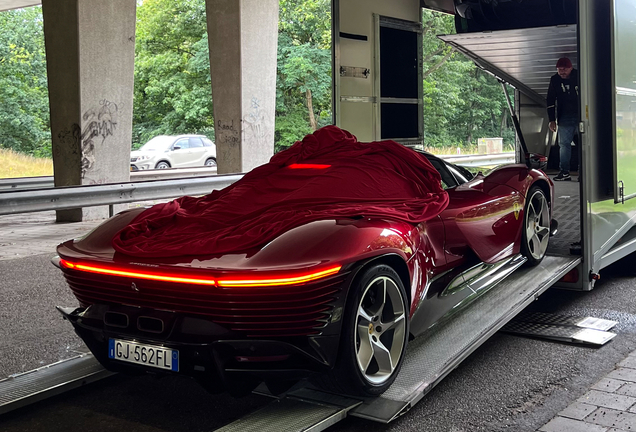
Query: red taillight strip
(309, 166)
(150, 276)
(291, 280)
(254, 282)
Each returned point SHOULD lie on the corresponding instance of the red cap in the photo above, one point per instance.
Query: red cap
(564, 62)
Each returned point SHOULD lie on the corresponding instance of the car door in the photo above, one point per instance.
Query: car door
(445, 286)
(180, 153)
(197, 152)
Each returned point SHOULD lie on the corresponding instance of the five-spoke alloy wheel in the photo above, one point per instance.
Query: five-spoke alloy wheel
(380, 329)
(374, 334)
(536, 228)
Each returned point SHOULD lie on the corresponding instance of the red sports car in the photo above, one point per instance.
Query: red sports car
(323, 263)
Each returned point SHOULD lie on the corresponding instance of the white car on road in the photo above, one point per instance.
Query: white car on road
(169, 151)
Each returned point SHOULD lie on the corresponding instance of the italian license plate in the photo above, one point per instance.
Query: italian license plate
(143, 354)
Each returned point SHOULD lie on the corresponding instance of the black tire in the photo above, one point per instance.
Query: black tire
(536, 226)
(210, 162)
(349, 376)
(162, 165)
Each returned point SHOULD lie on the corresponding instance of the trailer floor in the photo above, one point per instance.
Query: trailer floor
(567, 213)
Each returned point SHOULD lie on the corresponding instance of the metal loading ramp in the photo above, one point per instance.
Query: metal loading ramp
(428, 359)
(524, 58)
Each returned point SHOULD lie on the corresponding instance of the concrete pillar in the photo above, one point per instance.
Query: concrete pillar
(90, 50)
(243, 38)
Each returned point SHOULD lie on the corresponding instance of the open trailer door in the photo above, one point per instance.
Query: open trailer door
(378, 69)
(624, 83)
(523, 58)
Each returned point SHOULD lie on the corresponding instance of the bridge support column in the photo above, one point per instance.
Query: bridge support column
(243, 38)
(90, 48)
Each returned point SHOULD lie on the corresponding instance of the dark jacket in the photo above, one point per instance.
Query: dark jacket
(563, 96)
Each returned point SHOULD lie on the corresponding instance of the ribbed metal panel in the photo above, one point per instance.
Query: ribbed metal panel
(564, 333)
(564, 320)
(288, 415)
(526, 58)
(258, 311)
(21, 390)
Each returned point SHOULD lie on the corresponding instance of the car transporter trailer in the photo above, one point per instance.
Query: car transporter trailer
(376, 48)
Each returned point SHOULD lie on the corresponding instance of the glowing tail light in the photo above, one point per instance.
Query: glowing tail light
(260, 281)
(308, 166)
(133, 274)
(284, 280)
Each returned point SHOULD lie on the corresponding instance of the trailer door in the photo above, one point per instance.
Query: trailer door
(377, 69)
(400, 71)
(624, 77)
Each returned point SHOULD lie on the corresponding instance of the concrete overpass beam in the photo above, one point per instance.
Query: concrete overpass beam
(90, 49)
(243, 38)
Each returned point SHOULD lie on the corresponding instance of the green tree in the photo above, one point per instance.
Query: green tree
(304, 69)
(461, 102)
(24, 104)
(173, 92)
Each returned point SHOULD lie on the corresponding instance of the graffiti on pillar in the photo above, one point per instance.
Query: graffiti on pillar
(253, 123)
(227, 137)
(97, 125)
(68, 141)
(227, 133)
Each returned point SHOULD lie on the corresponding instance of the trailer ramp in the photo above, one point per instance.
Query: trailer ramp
(428, 359)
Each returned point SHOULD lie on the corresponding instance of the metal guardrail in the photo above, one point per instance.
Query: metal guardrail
(45, 182)
(480, 160)
(70, 197)
(34, 194)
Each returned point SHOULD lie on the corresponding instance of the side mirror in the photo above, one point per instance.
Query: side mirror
(176, 148)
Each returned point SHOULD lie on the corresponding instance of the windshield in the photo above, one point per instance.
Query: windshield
(161, 142)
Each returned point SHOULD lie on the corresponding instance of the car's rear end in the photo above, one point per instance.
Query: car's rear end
(209, 317)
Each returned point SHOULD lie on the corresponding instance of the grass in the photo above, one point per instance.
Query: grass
(14, 164)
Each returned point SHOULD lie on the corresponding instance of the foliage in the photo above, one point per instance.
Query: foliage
(461, 102)
(173, 95)
(172, 70)
(304, 69)
(290, 127)
(24, 104)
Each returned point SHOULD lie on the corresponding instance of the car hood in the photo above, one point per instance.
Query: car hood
(314, 244)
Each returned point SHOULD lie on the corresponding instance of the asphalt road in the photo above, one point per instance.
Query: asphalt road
(509, 384)
(32, 332)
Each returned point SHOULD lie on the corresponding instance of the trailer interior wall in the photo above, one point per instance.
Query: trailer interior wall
(356, 97)
(532, 119)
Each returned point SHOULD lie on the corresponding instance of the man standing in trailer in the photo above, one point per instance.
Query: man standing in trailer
(563, 110)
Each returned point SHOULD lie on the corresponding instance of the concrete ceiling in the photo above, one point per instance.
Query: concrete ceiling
(15, 4)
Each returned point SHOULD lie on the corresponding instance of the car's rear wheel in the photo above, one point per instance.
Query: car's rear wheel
(162, 165)
(210, 162)
(536, 228)
(374, 336)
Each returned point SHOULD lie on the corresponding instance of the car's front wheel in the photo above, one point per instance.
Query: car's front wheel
(536, 227)
(374, 336)
(162, 165)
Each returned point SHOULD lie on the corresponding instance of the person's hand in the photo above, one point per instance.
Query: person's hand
(553, 126)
